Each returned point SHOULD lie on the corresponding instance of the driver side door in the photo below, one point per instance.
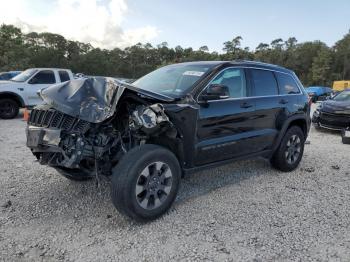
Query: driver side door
(40, 80)
(225, 127)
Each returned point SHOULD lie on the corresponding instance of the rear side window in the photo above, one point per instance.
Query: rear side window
(43, 77)
(63, 76)
(264, 83)
(287, 84)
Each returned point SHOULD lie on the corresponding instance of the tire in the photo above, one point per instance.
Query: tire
(142, 187)
(286, 158)
(8, 108)
(73, 174)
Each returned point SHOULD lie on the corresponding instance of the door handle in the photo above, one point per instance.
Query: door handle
(246, 105)
(20, 88)
(283, 101)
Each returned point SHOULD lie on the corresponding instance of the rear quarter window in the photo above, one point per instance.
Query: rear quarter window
(287, 84)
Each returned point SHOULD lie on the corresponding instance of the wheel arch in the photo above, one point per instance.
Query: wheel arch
(175, 145)
(299, 121)
(10, 95)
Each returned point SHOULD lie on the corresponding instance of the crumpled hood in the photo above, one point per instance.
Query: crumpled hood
(91, 99)
(332, 106)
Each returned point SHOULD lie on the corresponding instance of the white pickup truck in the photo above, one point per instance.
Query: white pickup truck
(22, 90)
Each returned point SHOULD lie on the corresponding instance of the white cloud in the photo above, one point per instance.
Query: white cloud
(93, 21)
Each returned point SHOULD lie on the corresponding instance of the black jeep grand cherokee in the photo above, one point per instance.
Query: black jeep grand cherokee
(175, 120)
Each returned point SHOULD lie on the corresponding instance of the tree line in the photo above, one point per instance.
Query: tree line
(314, 62)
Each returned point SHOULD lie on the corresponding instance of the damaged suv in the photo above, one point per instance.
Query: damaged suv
(175, 120)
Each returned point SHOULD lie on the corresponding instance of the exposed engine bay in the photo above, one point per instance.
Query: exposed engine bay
(93, 142)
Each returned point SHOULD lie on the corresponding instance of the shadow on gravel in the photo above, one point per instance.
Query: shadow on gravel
(204, 182)
(66, 196)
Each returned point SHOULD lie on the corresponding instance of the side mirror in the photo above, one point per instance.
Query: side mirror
(215, 92)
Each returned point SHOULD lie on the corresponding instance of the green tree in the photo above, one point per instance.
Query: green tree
(321, 68)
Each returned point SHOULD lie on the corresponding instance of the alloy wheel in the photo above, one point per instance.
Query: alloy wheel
(153, 185)
(293, 149)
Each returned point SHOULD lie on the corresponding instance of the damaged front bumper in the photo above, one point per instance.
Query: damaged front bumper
(39, 138)
(56, 139)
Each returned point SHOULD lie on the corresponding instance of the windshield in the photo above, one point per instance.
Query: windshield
(24, 76)
(343, 96)
(172, 80)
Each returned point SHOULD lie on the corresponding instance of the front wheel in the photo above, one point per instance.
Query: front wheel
(145, 182)
(289, 153)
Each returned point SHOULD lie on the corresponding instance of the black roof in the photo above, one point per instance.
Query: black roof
(246, 63)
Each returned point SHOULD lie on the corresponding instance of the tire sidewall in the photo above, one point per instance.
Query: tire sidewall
(292, 131)
(15, 107)
(131, 176)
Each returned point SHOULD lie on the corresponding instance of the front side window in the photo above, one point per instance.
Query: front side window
(173, 80)
(234, 79)
(264, 83)
(63, 76)
(43, 77)
(287, 84)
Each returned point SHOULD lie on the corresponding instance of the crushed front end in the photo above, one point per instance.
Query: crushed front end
(65, 142)
(88, 144)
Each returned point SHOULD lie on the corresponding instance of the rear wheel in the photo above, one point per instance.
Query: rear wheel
(8, 108)
(289, 153)
(145, 182)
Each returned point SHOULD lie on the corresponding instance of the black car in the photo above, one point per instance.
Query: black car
(333, 113)
(176, 120)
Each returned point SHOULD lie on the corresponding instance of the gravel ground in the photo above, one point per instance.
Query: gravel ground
(244, 211)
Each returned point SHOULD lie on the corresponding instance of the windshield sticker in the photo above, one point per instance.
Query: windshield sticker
(193, 73)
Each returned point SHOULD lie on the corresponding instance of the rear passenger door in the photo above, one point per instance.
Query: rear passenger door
(274, 102)
(267, 106)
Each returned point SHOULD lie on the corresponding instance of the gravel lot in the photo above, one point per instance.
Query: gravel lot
(244, 211)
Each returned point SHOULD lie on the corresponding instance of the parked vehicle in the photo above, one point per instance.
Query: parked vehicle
(22, 90)
(173, 121)
(8, 75)
(333, 113)
(339, 86)
(319, 92)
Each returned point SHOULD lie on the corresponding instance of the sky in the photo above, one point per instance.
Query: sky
(189, 23)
